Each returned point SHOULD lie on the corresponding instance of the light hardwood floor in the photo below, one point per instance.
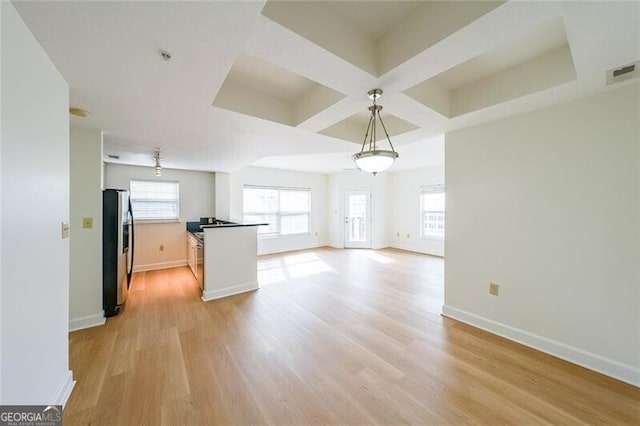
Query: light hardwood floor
(333, 336)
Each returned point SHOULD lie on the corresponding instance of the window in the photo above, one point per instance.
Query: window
(432, 211)
(154, 200)
(286, 210)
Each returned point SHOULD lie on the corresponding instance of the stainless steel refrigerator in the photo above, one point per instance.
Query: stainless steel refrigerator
(117, 249)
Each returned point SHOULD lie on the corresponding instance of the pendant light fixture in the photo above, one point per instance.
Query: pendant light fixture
(374, 160)
(157, 167)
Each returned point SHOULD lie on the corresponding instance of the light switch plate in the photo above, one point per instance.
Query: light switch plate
(65, 230)
(494, 289)
(87, 222)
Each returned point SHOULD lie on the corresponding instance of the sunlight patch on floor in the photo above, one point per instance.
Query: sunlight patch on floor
(290, 267)
(272, 275)
(300, 258)
(309, 268)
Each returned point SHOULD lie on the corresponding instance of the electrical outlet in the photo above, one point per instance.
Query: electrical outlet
(161, 247)
(494, 289)
(408, 235)
(397, 234)
(87, 222)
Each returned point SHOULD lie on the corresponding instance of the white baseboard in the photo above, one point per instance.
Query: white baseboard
(378, 246)
(336, 245)
(63, 392)
(86, 322)
(160, 265)
(229, 291)
(606, 366)
(416, 249)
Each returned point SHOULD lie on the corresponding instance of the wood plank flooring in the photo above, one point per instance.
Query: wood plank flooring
(333, 336)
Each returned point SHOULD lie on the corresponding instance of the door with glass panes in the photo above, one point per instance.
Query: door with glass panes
(357, 220)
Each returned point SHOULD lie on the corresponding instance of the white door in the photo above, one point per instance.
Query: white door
(357, 208)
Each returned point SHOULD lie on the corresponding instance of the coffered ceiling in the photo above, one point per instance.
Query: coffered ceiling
(283, 84)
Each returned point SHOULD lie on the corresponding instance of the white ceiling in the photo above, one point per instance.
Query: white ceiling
(545, 38)
(108, 53)
(374, 18)
(425, 153)
(264, 77)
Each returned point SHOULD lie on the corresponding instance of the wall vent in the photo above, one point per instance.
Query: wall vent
(623, 73)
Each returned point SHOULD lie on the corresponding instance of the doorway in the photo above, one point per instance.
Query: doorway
(357, 215)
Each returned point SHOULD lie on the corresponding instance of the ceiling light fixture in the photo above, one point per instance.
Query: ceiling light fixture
(157, 167)
(374, 160)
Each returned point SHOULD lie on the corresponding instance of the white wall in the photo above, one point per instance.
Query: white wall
(197, 199)
(353, 181)
(1, 209)
(85, 285)
(35, 201)
(404, 204)
(546, 205)
(270, 177)
(222, 196)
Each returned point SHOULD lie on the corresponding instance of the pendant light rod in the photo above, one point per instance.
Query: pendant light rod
(385, 132)
(366, 135)
(158, 167)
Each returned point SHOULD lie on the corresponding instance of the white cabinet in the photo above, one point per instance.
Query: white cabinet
(192, 254)
(230, 261)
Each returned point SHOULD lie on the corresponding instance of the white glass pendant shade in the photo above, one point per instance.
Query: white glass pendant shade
(374, 161)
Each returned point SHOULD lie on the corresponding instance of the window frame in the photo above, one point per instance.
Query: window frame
(278, 233)
(424, 233)
(136, 217)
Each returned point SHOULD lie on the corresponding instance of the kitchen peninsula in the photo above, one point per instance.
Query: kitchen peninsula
(230, 257)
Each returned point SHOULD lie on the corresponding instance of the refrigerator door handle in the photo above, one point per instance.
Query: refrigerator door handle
(133, 242)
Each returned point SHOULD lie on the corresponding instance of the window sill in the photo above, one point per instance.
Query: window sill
(154, 221)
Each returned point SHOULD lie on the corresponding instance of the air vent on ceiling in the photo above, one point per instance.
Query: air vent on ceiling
(623, 73)
(113, 157)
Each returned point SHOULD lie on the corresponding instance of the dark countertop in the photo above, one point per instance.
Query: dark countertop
(227, 224)
(197, 229)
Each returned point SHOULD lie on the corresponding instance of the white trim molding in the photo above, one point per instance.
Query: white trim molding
(86, 322)
(606, 366)
(417, 249)
(161, 265)
(379, 246)
(229, 291)
(63, 392)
